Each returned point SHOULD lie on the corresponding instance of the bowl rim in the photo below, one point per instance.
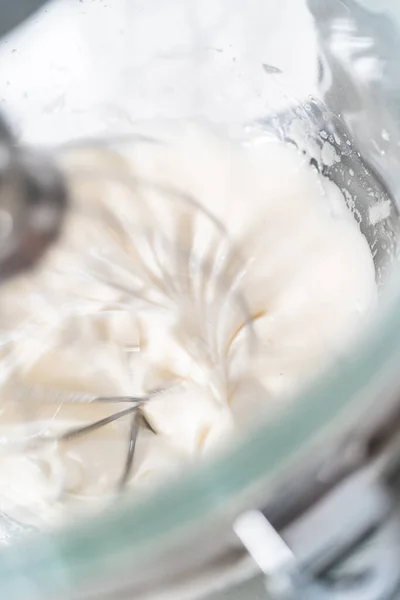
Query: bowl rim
(64, 557)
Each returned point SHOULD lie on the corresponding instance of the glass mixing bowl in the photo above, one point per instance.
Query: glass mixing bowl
(324, 75)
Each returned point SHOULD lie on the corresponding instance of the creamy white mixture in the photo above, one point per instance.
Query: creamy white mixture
(113, 64)
(221, 275)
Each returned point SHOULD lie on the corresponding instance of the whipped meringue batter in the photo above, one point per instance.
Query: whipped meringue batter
(214, 277)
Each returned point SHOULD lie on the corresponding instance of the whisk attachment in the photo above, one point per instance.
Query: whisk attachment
(136, 247)
(137, 420)
(33, 201)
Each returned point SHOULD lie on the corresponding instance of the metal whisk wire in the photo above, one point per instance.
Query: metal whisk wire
(172, 281)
